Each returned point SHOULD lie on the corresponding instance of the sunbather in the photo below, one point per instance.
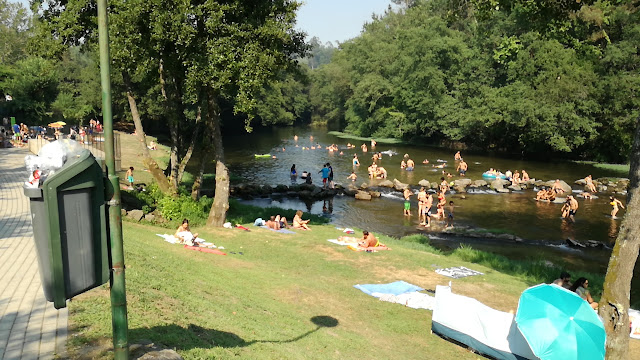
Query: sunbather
(369, 241)
(184, 235)
(298, 223)
(277, 222)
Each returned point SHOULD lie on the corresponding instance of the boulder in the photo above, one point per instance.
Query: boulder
(304, 194)
(499, 184)
(267, 189)
(515, 187)
(135, 214)
(463, 182)
(563, 185)
(147, 350)
(316, 192)
(386, 183)
(364, 186)
(502, 190)
(479, 183)
(350, 192)
(150, 217)
(594, 244)
(574, 243)
(399, 186)
(459, 189)
(123, 212)
(307, 187)
(424, 183)
(375, 194)
(361, 195)
(581, 182)
(281, 188)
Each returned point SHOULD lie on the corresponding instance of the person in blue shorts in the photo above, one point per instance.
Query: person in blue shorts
(130, 176)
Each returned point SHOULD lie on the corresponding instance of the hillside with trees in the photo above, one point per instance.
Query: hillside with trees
(518, 76)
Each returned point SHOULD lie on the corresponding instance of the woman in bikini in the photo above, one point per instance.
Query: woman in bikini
(184, 235)
(615, 202)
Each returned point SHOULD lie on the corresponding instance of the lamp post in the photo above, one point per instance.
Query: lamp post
(118, 292)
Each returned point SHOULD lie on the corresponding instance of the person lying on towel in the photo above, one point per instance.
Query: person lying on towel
(183, 233)
(368, 241)
(277, 222)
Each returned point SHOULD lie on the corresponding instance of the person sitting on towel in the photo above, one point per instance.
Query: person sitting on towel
(183, 233)
(298, 223)
(368, 240)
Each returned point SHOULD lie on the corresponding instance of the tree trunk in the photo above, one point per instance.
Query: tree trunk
(147, 160)
(192, 145)
(614, 304)
(204, 159)
(221, 199)
(173, 130)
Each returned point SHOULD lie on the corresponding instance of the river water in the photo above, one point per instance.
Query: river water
(539, 224)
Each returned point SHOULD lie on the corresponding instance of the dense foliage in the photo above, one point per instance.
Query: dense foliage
(514, 75)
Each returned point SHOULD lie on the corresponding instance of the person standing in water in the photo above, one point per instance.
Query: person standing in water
(427, 211)
(422, 201)
(615, 202)
(355, 160)
(410, 165)
(364, 147)
(407, 203)
(462, 167)
(450, 215)
(457, 156)
(373, 144)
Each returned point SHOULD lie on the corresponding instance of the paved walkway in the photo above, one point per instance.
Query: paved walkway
(30, 327)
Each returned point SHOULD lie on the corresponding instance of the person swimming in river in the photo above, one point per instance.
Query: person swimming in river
(364, 147)
(457, 156)
(352, 177)
(373, 144)
(355, 160)
(425, 161)
(615, 202)
(403, 164)
(439, 166)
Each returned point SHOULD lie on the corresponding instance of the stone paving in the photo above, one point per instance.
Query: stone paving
(30, 327)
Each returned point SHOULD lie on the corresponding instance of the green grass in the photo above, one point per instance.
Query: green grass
(266, 303)
(623, 169)
(263, 304)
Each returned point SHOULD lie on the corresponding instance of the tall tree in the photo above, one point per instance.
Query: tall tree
(614, 303)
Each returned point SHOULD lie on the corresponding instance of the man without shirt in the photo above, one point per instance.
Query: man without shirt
(407, 204)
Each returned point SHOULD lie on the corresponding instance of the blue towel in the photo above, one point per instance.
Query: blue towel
(394, 288)
(283, 231)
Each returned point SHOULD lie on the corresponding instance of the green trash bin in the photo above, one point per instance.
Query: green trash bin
(69, 220)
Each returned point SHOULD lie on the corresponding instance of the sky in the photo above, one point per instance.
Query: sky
(330, 20)
(337, 20)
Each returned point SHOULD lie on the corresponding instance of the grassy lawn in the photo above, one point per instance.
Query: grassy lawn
(263, 304)
(131, 151)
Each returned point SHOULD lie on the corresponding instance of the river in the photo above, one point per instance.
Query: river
(539, 224)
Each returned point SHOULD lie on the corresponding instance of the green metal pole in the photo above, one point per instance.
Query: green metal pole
(118, 292)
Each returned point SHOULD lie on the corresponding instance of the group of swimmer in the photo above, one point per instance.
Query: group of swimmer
(425, 203)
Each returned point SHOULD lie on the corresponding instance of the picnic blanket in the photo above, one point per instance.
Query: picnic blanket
(282, 231)
(414, 300)
(174, 240)
(399, 292)
(394, 288)
(342, 243)
(207, 250)
(458, 272)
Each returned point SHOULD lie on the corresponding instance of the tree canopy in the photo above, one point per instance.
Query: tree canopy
(514, 75)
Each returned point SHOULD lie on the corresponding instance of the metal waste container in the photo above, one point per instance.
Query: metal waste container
(69, 220)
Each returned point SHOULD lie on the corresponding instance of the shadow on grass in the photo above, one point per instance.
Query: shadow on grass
(195, 336)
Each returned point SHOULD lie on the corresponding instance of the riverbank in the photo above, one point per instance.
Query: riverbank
(260, 300)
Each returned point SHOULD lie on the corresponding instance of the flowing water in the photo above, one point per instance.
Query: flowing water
(538, 223)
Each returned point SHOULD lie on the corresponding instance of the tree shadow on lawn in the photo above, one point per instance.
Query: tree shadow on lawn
(194, 336)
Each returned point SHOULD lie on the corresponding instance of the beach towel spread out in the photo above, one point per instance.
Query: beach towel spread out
(174, 240)
(207, 250)
(414, 300)
(337, 242)
(394, 288)
(282, 231)
(458, 272)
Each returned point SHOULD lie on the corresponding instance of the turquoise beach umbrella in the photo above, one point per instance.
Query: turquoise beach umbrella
(559, 324)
